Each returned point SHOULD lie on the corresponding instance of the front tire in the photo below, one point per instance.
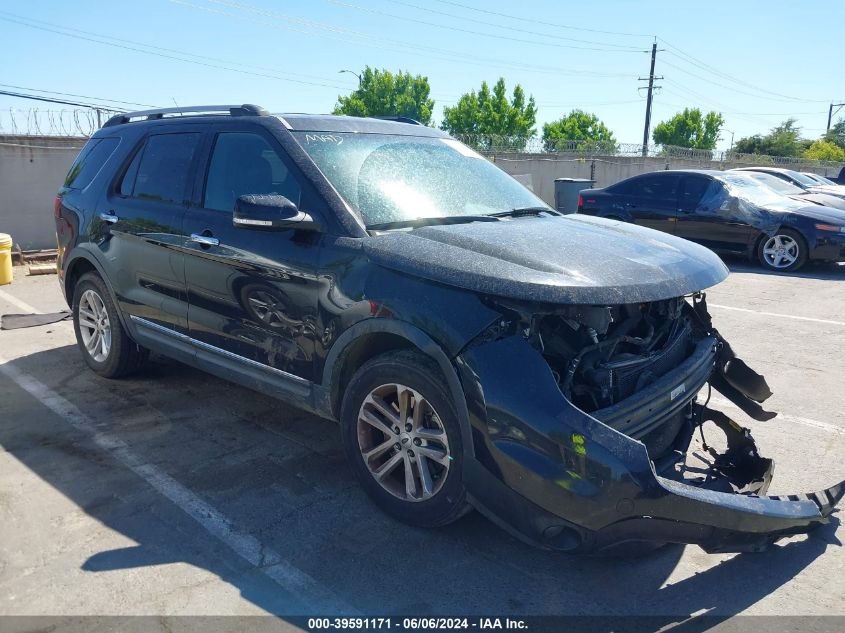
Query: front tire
(105, 345)
(785, 251)
(402, 438)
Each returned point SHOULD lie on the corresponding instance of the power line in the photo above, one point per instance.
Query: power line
(50, 100)
(103, 39)
(71, 94)
(736, 90)
(367, 39)
(510, 16)
(708, 68)
(598, 46)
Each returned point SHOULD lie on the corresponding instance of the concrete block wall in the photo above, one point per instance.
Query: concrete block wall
(542, 169)
(31, 170)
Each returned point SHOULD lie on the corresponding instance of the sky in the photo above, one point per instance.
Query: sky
(756, 62)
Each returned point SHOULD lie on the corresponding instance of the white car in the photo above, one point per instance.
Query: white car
(798, 179)
(826, 182)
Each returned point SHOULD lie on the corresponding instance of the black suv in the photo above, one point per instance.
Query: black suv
(478, 349)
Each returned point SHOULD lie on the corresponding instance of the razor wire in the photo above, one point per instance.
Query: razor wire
(74, 122)
(521, 146)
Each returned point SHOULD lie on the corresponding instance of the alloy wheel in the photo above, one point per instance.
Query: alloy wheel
(403, 442)
(781, 251)
(94, 325)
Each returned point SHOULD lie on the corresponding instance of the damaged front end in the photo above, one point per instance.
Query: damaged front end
(598, 438)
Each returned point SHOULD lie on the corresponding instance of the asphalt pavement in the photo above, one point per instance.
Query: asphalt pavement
(173, 492)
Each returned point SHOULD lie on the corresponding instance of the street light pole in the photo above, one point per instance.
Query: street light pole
(352, 72)
(732, 142)
(830, 113)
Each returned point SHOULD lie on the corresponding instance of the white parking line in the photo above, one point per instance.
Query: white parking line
(775, 314)
(17, 302)
(785, 417)
(271, 563)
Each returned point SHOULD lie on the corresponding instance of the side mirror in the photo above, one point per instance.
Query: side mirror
(271, 212)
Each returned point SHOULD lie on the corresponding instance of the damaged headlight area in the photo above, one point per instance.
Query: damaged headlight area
(631, 452)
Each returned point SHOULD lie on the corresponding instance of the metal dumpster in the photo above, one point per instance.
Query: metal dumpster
(567, 190)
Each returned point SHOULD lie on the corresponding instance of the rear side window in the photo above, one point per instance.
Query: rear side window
(90, 161)
(693, 192)
(160, 171)
(658, 187)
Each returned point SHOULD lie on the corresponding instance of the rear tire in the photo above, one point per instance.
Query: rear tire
(785, 251)
(402, 438)
(105, 345)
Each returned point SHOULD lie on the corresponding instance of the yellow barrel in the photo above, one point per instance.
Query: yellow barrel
(5, 259)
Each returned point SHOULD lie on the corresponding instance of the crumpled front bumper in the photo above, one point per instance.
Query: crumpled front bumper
(558, 477)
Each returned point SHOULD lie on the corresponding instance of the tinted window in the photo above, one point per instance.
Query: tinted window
(693, 191)
(128, 181)
(663, 187)
(245, 163)
(89, 162)
(163, 168)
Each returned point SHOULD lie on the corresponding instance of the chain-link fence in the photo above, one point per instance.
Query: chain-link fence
(495, 144)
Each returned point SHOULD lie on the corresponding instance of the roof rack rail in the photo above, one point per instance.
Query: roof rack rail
(398, 119)
(158, 113)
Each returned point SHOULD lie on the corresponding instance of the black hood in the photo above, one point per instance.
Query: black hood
(573, 259)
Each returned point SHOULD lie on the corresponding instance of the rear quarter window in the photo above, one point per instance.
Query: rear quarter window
(90, 161)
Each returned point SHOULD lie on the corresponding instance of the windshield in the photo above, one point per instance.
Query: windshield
(821, 179)
(804, 180)
(392, 178)
(779, 185)
(749, 188)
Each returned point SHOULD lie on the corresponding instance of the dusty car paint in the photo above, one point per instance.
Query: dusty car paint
(469, 296)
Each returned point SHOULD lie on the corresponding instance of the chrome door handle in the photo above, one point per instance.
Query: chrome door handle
(205, 240)
(109, 218)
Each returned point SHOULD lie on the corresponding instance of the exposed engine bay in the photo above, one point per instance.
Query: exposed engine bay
(633, 382)
(637, 367)
(596, 369)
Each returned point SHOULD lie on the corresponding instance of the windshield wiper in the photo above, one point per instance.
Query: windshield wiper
(519, 212)
(449, 219)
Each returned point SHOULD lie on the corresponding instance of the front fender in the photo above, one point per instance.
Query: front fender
(416, 337)
(575, 473)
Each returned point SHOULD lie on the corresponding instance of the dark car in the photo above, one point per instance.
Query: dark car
(478, 349)
(726, 211)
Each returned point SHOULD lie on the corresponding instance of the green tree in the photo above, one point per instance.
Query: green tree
(578, 126)
(825, 150)
(481, 115)
(782, 140)
(690, 128)
(836, 134)
(382, 93)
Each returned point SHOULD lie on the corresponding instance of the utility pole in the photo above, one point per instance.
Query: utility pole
(648, 100)
(830, 113)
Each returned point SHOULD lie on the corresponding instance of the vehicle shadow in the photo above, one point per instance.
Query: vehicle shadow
(812, 270)
(278, 475)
